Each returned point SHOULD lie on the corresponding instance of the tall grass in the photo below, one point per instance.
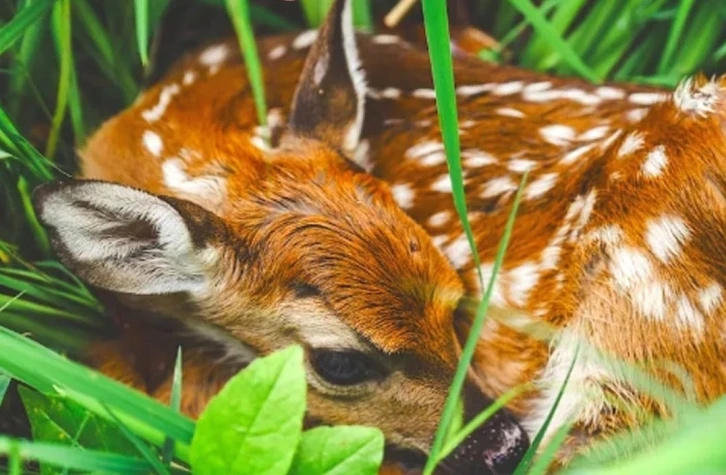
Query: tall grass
(68, 64)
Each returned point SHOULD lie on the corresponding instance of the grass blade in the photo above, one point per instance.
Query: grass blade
(15, 28)
(239, 12)
(61, 26)
(478, 420)
(141, 14)
(4, 384)
(684, 9)
(71, 457)
(526, 462)
(548, 32)
(175, 403)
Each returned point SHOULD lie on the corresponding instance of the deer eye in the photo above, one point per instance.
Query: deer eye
(344, 367)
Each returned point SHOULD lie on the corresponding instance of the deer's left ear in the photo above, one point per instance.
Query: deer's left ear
(329, 100)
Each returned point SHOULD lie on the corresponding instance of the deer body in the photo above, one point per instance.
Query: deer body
(618, 242)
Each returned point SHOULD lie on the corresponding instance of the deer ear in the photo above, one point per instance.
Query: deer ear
(329, 100)
(125, 240)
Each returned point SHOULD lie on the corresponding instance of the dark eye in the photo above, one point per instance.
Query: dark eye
(344, 367)
(303, 291)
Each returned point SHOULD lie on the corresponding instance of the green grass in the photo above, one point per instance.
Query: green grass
(69, 64)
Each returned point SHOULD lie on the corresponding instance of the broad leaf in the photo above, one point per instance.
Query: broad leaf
(255, 423)
(339, 451)
(55, 419)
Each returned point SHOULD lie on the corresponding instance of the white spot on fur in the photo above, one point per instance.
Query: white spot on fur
(214, 55)
(538, 86)
(439, 219)
(612, 93)
(458, 251)
(571, 157)
(636, 115)
(442, 184)
(557, 134)
(260, 142)
(508, 88)
(424, 148)
(629, 267)
(646, 98)
(393, 121)
(610, 234)
(474, 158)
(655, 162)
(305, 39)
(498, 186)
(701, 101)
(423, 123)
(277, 52)
(710, 297)
(510, 112)
(403, 194)
(439, 241)
(540, 186)
(165, 97)
(207, 191)
(573, 94)
(386, 39)
(474, 89)
(688, 315)
(595, 133)
(153, 143)
(522, 280)
(632, 143)
(651, 299)
(361, 156)
(583, 398)
(665, 236)
(189, 78)
(424, 93)
(520, 165)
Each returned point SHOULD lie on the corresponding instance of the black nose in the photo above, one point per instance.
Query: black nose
(495, 448)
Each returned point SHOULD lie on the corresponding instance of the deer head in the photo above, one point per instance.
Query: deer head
(304, 248)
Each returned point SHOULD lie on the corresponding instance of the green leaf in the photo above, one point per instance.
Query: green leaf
(141, 10)
(55, 419)
(254, 424)
(14, 29)
(4, 383)
(339, 451)
(239, 12)
(71, 457)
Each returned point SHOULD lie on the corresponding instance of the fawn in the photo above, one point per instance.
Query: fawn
(334, 228)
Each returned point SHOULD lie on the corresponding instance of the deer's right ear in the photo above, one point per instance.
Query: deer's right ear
(125, 240)
(329, 100)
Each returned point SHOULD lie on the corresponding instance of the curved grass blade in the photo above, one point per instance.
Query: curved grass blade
(674, 35)
(528, 458)
(61, 26)
(15, 28)
(239, 11)
(548, 32)
(72, 457)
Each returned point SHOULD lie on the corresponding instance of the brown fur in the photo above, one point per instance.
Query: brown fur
(310, 214)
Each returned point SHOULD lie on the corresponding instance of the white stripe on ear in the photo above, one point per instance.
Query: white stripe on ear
(329, 101)
(357, 75)
(122, 239)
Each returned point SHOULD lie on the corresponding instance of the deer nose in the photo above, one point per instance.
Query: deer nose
(495, 448)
